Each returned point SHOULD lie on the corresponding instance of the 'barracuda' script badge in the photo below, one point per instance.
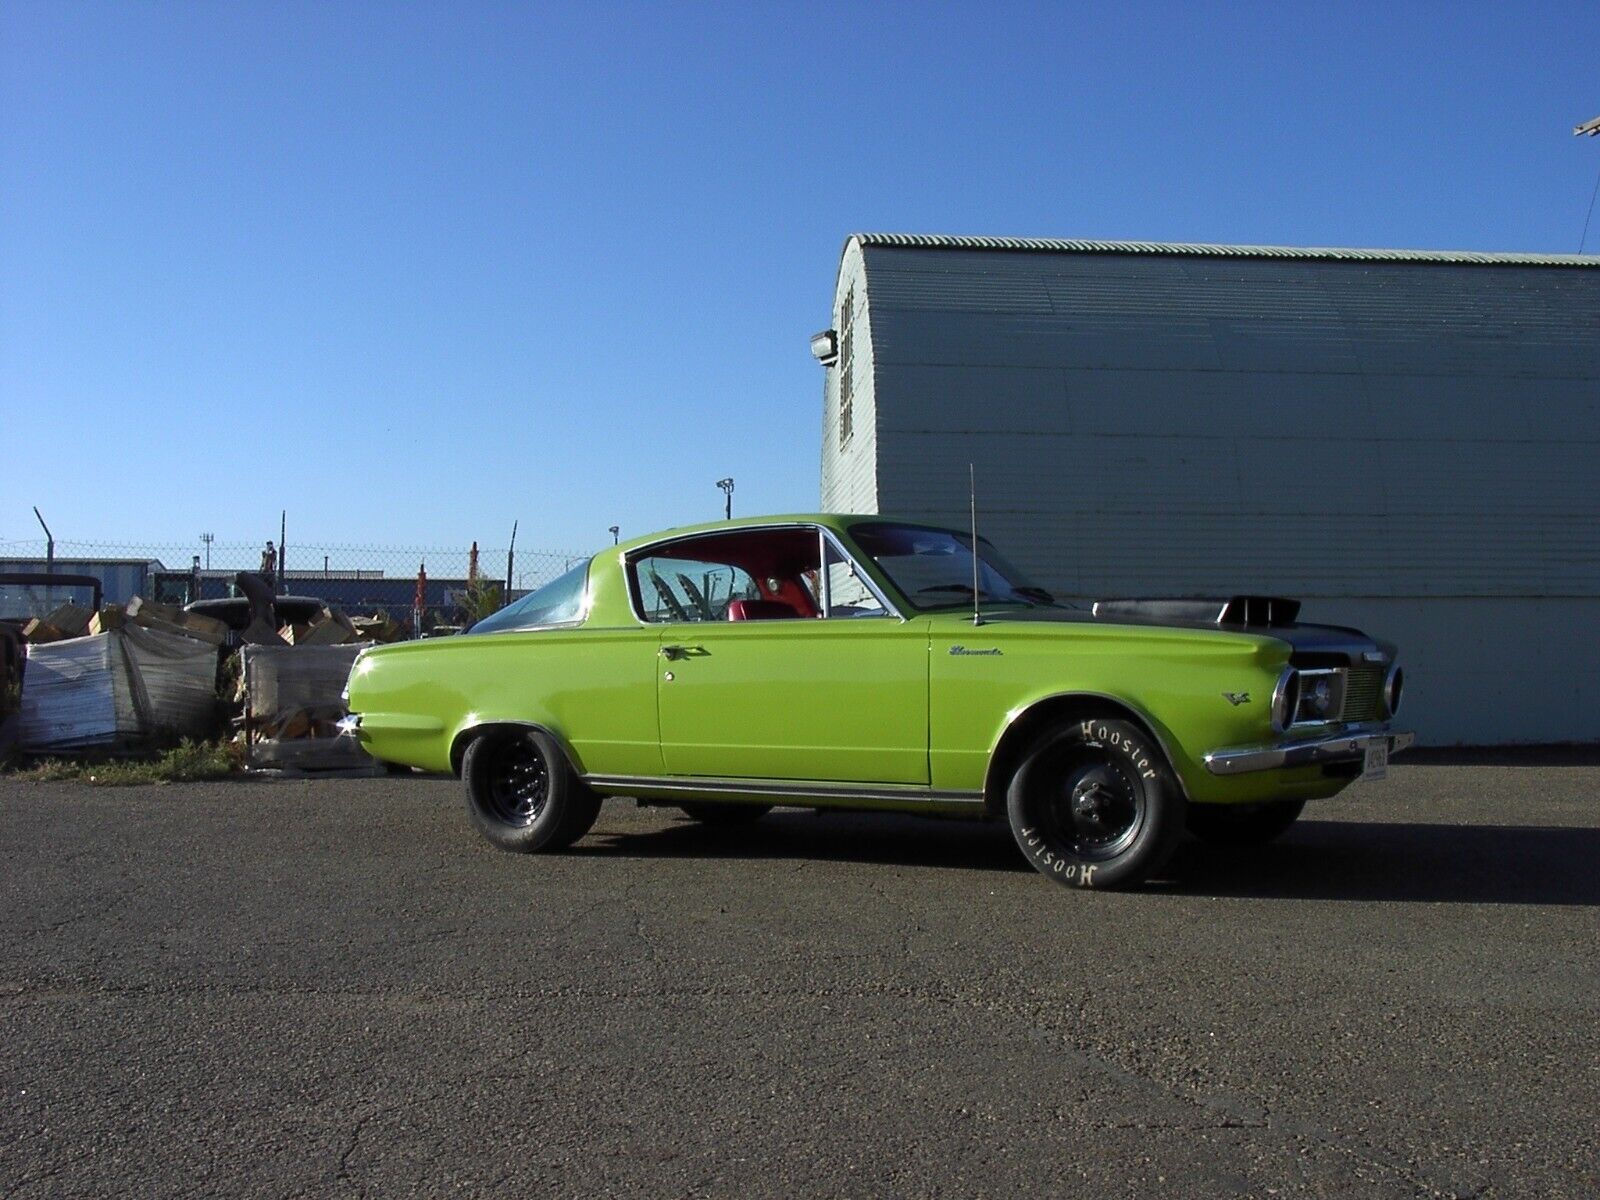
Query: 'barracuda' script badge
(993, 650)
(1236, 698)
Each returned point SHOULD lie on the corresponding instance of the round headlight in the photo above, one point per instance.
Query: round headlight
(1285, 699)
(1393, 685)
(1319, 700)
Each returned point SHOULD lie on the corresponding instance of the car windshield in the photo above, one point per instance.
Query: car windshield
(19, 601)
(933, 567)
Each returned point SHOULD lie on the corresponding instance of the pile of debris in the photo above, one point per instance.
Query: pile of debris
(330, 627)
(293, 700)
(117, 678)
(75, 621)
(327, 628)
(378, 628)
(104, 677)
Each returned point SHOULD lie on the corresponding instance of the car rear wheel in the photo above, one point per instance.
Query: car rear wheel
(1095, 805)
(725, 814)
(523, 795)
(1243, 824)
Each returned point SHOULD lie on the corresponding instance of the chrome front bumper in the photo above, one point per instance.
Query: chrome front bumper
(1349, 746)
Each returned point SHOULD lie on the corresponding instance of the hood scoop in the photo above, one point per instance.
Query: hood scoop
(1245, 612)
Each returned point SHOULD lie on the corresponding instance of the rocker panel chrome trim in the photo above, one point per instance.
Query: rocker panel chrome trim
(781, 789)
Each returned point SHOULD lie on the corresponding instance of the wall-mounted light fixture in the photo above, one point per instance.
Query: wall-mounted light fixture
(825, 347)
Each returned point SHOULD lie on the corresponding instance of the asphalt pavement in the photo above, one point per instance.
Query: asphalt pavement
(333, 988)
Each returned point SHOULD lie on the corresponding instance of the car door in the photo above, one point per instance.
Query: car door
(840, 697)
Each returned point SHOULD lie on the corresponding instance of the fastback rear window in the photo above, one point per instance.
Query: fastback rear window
(559, 602)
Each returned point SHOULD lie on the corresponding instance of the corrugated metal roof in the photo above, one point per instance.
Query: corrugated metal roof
(931, 241)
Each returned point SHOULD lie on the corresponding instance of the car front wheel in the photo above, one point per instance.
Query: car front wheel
(1095, 805)
(522, 794)
(1243, 824)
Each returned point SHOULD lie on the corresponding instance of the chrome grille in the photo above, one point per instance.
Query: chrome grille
(1363, 694)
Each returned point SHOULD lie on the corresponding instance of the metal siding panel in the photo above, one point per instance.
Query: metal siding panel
(1525, 680)
(1403, 428)
(1407, 441)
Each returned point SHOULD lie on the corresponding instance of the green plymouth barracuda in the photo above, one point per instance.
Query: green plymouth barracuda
(860, 662)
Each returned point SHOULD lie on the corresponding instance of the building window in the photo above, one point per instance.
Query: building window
(847, 360)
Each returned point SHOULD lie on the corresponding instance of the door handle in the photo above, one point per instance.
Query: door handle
(674, 653)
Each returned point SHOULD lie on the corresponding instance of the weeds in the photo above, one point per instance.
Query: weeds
(188, 762)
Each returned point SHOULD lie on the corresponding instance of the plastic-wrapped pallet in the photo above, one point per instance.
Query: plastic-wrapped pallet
(293, 699)
(126, 687)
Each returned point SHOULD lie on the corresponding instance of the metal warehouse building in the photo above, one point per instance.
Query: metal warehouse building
(1407, 441)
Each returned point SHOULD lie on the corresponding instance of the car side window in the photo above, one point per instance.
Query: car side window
(681, 589)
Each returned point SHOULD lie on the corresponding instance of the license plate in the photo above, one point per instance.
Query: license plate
(1376, 763)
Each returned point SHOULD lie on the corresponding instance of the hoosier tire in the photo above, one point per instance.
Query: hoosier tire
(523, 795)
(1095, 805)
(1243, 824)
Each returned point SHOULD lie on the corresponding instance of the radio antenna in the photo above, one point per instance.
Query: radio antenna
(972, 500)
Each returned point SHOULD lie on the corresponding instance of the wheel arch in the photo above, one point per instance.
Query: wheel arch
(1063, 708)
(468, 734)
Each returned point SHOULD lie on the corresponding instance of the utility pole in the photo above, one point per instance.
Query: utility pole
(727, 492)
(49, 544)
(208, 538)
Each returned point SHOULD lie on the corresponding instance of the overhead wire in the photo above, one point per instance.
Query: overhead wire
(1585, 238)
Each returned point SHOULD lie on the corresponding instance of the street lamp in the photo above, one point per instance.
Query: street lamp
(727, 492)
(613, 530)
(1588, 129)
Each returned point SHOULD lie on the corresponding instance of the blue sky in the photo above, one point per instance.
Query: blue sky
(415, 271)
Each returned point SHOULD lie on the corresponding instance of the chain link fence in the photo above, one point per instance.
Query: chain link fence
(362, 580)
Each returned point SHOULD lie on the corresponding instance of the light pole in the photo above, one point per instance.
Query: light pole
(614, 531)
(727, 494)
(49, 544)
(1588, 129)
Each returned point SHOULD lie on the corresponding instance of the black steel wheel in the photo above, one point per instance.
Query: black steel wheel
(518, 781)
(1095, 805)
(1240, 825)
(522, 793)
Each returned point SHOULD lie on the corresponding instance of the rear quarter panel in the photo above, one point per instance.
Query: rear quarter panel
(592, 688)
